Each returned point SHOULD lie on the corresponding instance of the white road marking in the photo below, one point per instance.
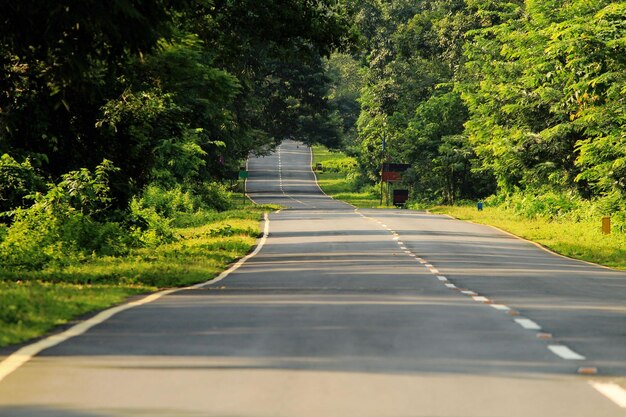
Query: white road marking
(566, 353)
(500, 307)
(528, 324)
(396, 238)
(407, 251)
(480, 298)
(442, 278)
(449, 285)
(384, 225)
(427, 265)
(612, 391)
(433, 270)
(25, 354)
(403, 247)
(468, 293)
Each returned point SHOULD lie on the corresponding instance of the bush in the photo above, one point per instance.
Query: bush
(60, 228)
(213, 195)
(168, 202)
(346, 165)
(147, 226)
(177, 200)
(547, 203)
(17, 182)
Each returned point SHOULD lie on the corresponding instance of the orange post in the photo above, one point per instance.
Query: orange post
(606, 225)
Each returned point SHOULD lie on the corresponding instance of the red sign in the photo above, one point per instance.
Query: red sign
(391, 176)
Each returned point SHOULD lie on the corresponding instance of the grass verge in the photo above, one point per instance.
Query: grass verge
(338, 178)
(576, 239)
(33, 302)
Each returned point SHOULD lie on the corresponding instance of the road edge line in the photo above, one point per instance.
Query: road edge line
(611, 391)
(318, 184)
(18, 358)
(245, 185)
(240, 262)
(536, 244)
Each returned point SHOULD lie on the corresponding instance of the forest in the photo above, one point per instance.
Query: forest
(519, 103)
(115, 116)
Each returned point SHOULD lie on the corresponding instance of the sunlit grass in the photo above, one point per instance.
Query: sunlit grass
(336, 181)
(33, 302)
(580, 240)
(31, 308)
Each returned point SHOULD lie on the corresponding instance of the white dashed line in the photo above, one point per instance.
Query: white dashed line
(528, 324)
(566, 353)
(612, 391)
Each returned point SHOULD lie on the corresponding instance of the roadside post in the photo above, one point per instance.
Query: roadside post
(390, 174)
(606, 225)
(243, 175)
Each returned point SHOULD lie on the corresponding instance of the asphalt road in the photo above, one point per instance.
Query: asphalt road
(351, 313)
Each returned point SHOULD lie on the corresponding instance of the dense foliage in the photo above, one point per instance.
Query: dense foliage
(523, 99)
(114, 117)
(172, 96)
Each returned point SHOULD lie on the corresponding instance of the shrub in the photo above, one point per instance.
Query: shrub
(168, 202)
(147, 226)
(213, 195)
(346, 165)
(546, 203)
(60, 227)
(17, 182)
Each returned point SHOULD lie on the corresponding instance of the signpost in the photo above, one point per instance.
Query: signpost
(391, 173)
(243, 175)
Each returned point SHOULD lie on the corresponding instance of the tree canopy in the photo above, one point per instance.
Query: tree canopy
(167, 91)
(478, 96)
(484, 97)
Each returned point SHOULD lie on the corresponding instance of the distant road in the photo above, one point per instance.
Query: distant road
(352, 313)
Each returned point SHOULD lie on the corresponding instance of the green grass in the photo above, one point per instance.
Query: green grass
(31, 308)
(576, 239)
(338, 178)
(35, 302)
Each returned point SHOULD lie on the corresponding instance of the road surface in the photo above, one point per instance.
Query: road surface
(348, 312)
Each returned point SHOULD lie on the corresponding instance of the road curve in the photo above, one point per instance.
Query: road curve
(348, 312)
